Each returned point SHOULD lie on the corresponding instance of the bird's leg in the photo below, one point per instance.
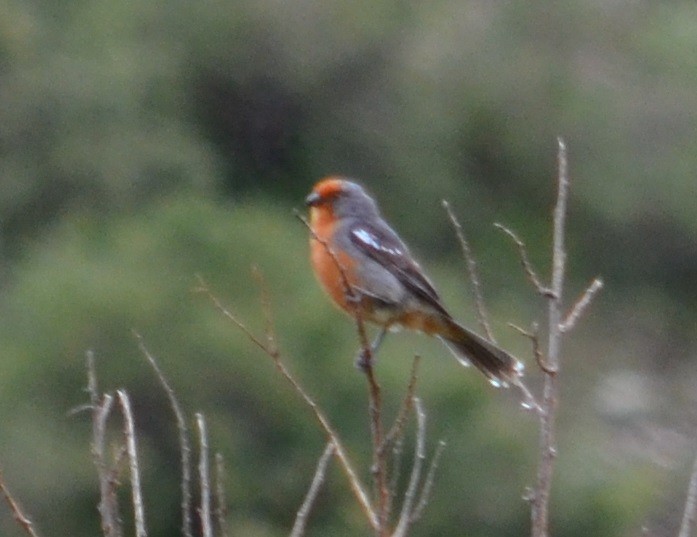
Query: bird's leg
(365, 359)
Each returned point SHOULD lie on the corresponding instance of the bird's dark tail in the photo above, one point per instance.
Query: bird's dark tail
(501, 368)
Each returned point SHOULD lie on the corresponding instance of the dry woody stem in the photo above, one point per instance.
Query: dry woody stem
(317, 481)
(184, 446)
(203, 476)
(130, 436)
(477, 293)
(690, 512)
(540, 500)
(22, 519)
(581, 305)
(397, 429)
(525, 262)
(274, 353)
(108, 483)
(539, 496)
(220, 498)
(405, 518)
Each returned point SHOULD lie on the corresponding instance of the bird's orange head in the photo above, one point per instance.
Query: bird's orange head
(335, 197)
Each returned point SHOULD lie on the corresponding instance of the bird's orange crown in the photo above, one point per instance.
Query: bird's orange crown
(328, 187)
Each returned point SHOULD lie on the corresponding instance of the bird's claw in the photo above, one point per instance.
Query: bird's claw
(364, 360)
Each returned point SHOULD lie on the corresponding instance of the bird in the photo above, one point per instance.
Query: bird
(369, 272)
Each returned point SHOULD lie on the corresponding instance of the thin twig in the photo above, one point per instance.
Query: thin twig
(22, 519)
(405, 517)
(400, 421)
(528, 401)
(377, 433)
(108, 500)
(265, 299)
(311, 496)
(581, 305)
(525, 262)
(690, 513)
(540, 501)
(275, 355)
(396, 466)
(428, 483)
(220, 501)
(203, 288)
(203, 473)
(533, 336)
(130, 435)
(184, 445)
(482, 314)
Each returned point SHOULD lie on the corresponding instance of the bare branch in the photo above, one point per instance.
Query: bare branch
(690, 512)
(265, 298)
(540, 500)
(203, 288)
(405, 517)
(205, 509)
(108, 500)
(396, 465)
(581, 305)
(379, 466)
(397, 428)
(428, 483)
(477, 293)
(317, 480)
(130, 436)
(275, 355)
(525, 261)
(184, 445)
(221, 503)
(533, 336)
(21, 518)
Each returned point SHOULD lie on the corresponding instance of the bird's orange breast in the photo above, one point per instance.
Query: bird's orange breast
(333, 270)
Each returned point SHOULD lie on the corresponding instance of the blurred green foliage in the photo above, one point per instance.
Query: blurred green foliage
(142, 144)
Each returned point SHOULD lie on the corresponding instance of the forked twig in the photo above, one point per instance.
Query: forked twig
(533, 336)
(184, 446)
(540, 499)
(130, 436)
(477, 293)
(313, 491)
(22, 519)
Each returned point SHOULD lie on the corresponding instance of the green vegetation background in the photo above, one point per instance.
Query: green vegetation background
(142, 143)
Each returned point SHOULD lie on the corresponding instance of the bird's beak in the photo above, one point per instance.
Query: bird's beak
(312, 199)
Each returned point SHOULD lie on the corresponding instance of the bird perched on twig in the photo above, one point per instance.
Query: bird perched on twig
(351, 245)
